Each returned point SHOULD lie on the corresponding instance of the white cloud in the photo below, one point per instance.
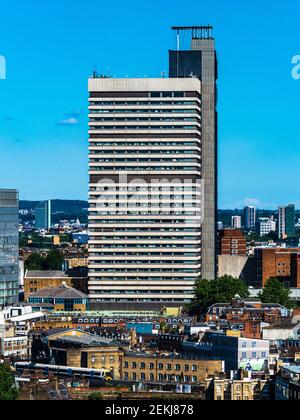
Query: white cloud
(68, 121)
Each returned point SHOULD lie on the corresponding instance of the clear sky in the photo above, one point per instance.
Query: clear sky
(52, 46)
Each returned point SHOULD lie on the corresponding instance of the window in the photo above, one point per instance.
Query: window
(143, 365)
(134, 376)
(133, 365)
(194, 368)
(177, 368)
(151, 377)
(160, 366)
(151, 366)
(143, 377)
(254, 355)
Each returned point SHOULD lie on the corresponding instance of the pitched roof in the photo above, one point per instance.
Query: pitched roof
(62, 292)
(55, 331)
(45, 274)
(88, 340)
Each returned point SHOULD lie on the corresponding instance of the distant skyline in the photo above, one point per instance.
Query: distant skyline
(51, 48)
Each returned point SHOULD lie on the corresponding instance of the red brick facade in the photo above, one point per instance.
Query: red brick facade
(282, 263)
(232, 242)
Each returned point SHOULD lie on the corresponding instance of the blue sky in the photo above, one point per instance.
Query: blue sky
(51, 47)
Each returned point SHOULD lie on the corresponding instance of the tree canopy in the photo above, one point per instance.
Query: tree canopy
(8, 391)
(221, 290)
(53, 261)
(275, 292)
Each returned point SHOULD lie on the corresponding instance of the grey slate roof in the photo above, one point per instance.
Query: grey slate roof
(89, 340)
(45, 274)
(61, 292)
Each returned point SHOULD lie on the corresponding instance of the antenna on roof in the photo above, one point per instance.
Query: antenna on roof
(95, 72)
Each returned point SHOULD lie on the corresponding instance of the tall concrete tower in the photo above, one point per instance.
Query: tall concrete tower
(201, 61)
(152, 143)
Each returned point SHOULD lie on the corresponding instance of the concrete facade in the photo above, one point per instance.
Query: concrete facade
(241, 267)
(145, 189)
(201, 62)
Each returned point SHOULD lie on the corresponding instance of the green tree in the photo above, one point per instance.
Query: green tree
(221, 290)
(54, 260)
(275, 292)
(8, 391)
(34, 262)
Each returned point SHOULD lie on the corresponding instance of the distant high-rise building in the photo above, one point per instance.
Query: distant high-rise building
(152, 144)
(286, 222)
(43, 213)
(9, 247)
(249, 218)
(236, 222)
(266, 226)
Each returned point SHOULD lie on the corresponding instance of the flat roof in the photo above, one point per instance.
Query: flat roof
(143, 84)
(27, 317)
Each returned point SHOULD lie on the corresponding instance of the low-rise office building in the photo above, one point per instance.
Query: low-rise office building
(235, 351)
(60, 299)
(15, 325)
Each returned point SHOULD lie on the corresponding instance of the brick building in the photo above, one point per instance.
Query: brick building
(232, 242)
(84, 350)
(79, 349)
(246, 316)
(150, 368)
(34, 281)
(244, 389)
(282, 263)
